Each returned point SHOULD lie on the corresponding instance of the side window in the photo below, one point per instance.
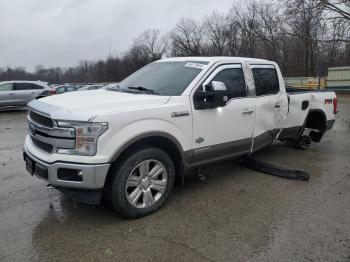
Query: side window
(60, 90)
(35, 86)
(266, 81)
(70, 88)
(233, 79)
(22, 86)
(6, 87)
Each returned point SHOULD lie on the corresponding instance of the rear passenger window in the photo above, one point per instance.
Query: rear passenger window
(233, 78)
(22, 86)
(266, 81)
(35, 86)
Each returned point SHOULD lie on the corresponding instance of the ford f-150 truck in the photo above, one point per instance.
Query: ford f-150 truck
(127, 144)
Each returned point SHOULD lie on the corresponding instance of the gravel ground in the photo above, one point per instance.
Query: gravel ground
(233, 214)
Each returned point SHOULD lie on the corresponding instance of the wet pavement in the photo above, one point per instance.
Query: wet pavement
(234, 214)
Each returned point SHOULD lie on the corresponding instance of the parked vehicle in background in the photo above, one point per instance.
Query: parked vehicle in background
(65, 88)
(55, 85)
(19, 93)
(173, 115)
(90, 87)
(111, 86)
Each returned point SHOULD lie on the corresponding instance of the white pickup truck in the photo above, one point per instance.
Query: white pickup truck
(127, 144)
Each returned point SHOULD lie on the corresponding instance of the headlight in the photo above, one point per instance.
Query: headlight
(86, 137)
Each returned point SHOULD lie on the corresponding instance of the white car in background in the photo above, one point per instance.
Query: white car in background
(90, 87)
(60, 89)
(20, 93)
(111, 86)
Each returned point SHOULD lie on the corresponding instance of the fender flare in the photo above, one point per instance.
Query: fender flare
(184, 157)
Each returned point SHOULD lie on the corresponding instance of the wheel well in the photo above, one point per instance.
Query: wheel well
(316, 120)
(166, 144)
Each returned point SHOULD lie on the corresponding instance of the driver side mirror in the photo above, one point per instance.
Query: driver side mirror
(212, 96)
(215, 86)
(218, 86)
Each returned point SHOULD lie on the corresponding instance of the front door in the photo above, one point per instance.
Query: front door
(224, 131)
(7, 95)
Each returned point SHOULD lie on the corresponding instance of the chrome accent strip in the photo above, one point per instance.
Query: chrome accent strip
(55, 142)
(56, 131)
(42, 150)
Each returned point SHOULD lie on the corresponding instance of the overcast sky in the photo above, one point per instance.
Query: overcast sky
(63, 32)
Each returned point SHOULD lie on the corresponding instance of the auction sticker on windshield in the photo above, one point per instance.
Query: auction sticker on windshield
(195, 65)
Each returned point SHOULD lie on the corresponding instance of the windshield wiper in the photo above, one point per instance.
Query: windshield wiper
(143, 89)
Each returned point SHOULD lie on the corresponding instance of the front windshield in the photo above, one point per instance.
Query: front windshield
(163, 78)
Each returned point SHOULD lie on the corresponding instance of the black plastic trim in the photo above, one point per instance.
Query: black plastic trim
(214, 153)
(92, 197)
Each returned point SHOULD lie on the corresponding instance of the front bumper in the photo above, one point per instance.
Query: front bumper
(68, 175)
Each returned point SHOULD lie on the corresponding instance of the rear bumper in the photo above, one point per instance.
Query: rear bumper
(69, 175)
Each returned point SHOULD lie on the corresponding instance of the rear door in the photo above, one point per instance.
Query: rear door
(270, 102)
(26, 92)
(7, 96)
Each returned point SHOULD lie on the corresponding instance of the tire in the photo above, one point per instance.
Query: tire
(134, 191)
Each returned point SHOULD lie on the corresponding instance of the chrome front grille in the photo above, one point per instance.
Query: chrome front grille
(47, 136)
(41, 119)
(43, 146)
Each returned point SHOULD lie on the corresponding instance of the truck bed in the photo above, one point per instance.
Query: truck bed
(293, 90)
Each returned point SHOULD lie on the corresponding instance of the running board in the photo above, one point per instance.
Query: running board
(275, 170)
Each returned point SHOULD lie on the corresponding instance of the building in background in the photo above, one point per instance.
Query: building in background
(337, 78)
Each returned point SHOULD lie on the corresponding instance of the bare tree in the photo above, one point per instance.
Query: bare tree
(340, 7)
(270, 28)
(246, 19)
(148, 47)
(216, 27)
(304, 36)
(187, 38)
(305, 22)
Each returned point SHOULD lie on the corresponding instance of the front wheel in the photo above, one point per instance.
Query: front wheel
(142, 183)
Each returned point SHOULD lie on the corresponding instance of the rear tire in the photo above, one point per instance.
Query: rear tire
(141, 182)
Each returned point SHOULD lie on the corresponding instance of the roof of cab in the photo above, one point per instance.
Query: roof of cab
(214, 59)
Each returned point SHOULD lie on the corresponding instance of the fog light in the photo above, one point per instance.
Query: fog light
(70, 174)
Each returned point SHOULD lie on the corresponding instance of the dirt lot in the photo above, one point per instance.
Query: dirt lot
(234, 214)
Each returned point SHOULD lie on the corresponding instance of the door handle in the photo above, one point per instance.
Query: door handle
(247, 112)
(277, 106)
(11, 94)
(32, 93)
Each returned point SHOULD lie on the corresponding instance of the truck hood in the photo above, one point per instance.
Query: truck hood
(85, 105)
